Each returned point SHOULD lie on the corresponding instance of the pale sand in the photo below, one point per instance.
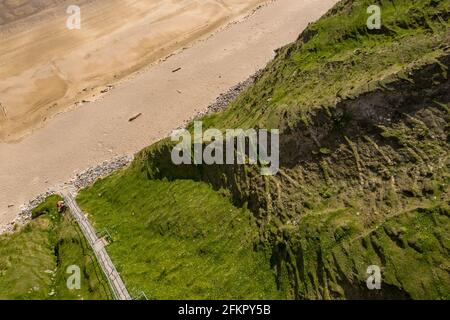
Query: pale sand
(44, 66)
(100, 130)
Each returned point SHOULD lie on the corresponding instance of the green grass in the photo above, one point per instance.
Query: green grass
(409, 244)
(341, 59)
(34, 259)
(179, 240)
(352, 191)
(349, 180)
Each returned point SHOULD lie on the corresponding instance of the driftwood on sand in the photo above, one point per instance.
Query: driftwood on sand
(134, 117)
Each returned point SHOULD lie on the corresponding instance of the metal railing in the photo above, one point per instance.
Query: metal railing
(112, 275)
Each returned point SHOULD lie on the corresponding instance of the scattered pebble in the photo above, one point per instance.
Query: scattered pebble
(225, 99)
(80, 181)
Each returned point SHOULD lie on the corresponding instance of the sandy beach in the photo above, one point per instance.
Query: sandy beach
(46, 69)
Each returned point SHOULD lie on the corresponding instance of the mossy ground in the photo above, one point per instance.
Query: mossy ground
(405, 245)
(179, 240)
(34, 259)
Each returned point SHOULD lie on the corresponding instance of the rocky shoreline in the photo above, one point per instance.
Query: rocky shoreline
(224, 99)
(79, 181)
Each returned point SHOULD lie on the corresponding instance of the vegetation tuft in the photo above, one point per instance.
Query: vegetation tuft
(35, 258)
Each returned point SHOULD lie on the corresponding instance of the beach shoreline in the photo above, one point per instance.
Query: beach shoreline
(99, 130)
(90, 175)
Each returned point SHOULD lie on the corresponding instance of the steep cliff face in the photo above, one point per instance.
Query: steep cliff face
(364, 183)
(364, 146)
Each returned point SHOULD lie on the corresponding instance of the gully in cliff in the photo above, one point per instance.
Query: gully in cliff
(237, 146)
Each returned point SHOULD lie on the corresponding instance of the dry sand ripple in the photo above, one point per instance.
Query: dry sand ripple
(44, 66)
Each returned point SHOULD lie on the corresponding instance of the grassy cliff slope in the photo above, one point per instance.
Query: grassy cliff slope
(179, 240)
(364, 177)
